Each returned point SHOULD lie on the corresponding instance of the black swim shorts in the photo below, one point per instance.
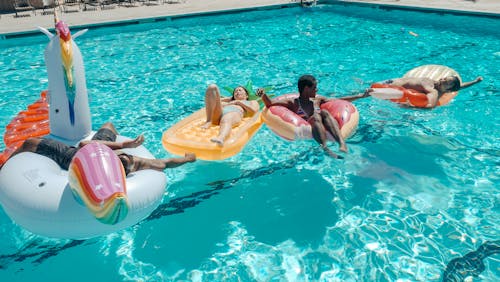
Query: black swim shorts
(105, 134)
(61, 153)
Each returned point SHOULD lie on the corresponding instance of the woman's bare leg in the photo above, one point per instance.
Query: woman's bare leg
(333, 127)
(213, 105)
(319, 134)
(226, 125)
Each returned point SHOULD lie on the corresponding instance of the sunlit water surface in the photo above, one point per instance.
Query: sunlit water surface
(417, 189)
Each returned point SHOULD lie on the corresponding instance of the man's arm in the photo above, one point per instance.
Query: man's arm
(357, 96)
(175, 162)
(470, 83)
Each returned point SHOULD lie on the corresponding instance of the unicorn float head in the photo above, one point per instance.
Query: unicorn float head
(96, 175)
(69, 111)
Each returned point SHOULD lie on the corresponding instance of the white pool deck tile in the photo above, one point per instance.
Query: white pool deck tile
(10, 25)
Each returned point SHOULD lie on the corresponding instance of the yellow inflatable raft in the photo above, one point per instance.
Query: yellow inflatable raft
(188, 136)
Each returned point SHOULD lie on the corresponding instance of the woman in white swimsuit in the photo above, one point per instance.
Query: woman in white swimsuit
(227, 112)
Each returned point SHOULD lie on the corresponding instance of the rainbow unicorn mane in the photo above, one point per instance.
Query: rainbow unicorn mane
(97, 179)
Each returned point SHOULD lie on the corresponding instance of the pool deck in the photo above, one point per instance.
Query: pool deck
(10, 25)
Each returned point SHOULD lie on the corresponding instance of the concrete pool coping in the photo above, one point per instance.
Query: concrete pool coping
(483, 8)
(12, 27)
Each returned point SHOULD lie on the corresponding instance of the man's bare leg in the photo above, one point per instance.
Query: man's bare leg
(133, 143)
(110, 126)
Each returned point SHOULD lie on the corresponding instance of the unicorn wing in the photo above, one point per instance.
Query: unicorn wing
(78, 33)
(46, 32)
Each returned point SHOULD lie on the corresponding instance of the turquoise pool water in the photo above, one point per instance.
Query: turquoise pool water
(418, 188)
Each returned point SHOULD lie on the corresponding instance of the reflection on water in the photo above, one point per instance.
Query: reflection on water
(471, 264)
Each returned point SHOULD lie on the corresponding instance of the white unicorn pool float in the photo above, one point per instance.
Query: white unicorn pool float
(94, 197)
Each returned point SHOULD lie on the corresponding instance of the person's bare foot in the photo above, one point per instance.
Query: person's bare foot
(343, 148)
(218, 140)
(190, 157)
(330, 153)
(134, 143)
(206, 125)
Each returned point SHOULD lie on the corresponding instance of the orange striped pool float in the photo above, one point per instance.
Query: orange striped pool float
(32, 122)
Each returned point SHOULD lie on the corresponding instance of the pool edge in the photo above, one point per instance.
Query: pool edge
(169, 17)
(388, 6)
(141, 20)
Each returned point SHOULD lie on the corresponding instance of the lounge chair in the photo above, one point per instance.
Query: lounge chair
(127, 3)
(91, 5)
(108, 4)
(21, 6)
(152, 2)
(71, 6)
(46, 6)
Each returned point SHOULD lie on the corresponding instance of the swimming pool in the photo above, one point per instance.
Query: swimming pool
(417, 189)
